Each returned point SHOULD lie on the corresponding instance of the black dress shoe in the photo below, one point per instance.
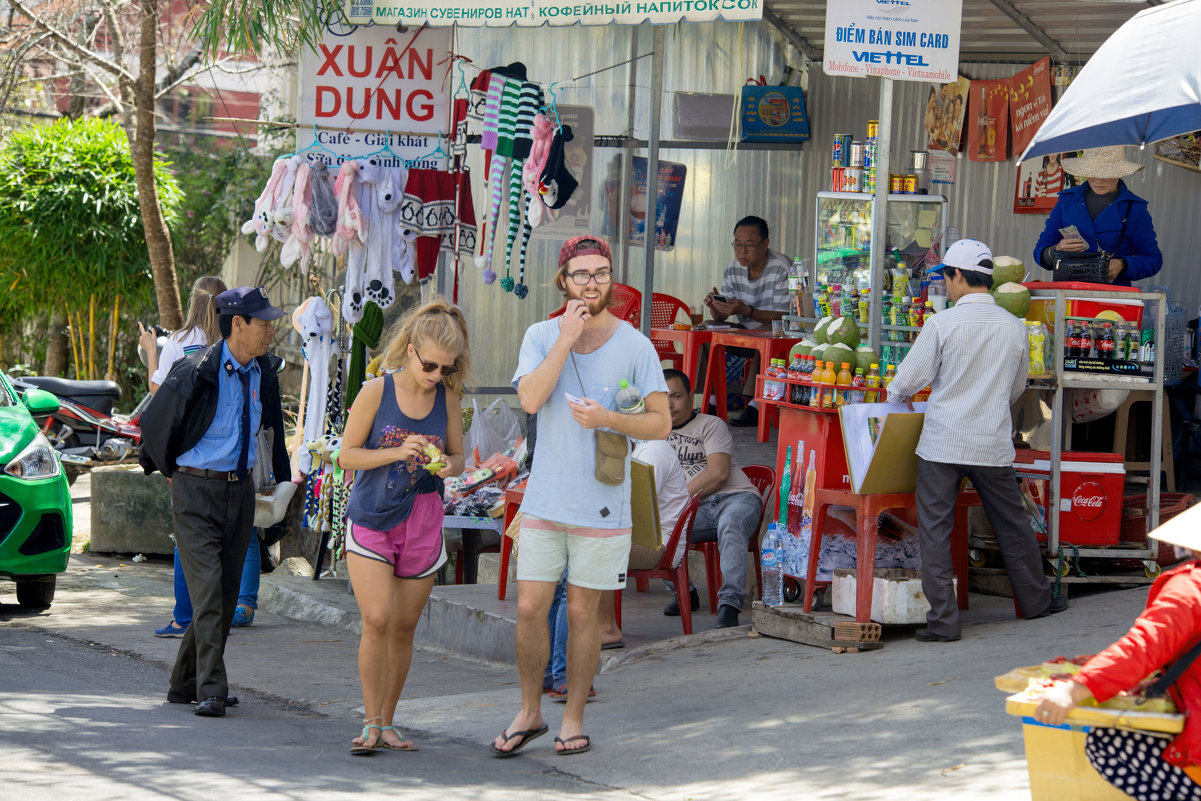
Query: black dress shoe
(174, 697)
(213, 707)
(748, 418)
(673, 606)
(727, 617)
(1058, 604)
(925, 635)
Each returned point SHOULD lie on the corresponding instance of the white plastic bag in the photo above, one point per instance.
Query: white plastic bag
(493, 430)
(1093, 404)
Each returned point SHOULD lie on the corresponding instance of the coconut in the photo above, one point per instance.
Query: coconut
(819, 333)
(1007, 270)
(865, 358)
(818, 352)
(802, 348)
(1013, 298)
(844, 331)
(839, 353)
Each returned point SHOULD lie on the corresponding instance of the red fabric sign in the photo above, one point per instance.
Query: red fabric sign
(1029, 101)
(988, 121)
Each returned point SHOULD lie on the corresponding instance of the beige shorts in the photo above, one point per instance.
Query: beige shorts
(595, 558)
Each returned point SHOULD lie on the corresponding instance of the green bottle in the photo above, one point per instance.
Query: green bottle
(785, 485)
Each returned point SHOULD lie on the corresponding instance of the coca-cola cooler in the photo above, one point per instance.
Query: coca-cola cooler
(1091, 489)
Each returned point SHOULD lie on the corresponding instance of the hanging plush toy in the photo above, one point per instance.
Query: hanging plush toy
(323, 210)
(260, 223)
(557, 182)
(313, 320)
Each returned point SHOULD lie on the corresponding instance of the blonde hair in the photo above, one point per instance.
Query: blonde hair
(436, 323)
(202, 309)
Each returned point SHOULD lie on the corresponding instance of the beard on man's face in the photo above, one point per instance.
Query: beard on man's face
(595, 297)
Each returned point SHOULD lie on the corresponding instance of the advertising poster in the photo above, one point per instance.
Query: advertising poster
(576, 217)
(1040, 180)
(666, 209)
(988, 121)
(362, 83)
(1029, 102)
(906, 40)
(945, 109)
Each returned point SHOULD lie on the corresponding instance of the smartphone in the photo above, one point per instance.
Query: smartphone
(720, 298)
(573, 399)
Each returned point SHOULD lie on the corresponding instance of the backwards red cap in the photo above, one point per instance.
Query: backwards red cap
(587, 245)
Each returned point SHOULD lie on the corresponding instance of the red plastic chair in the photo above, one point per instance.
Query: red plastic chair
(664, 311)
(625, 304)
(664, 570)
(764, 479)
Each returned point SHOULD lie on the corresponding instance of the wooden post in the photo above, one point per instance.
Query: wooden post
(109, 375)
(92, 337)
(71, 337)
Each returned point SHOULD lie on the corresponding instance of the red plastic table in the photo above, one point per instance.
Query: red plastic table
(513, 499)
(692, 341)
(769, 347)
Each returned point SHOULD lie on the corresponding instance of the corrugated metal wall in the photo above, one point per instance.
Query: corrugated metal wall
(777, 185)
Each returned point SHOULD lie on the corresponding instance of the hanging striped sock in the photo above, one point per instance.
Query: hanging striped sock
(496, 87)
(521, 290)
(514, 220)
(495, 183)
(507, 124)
(528, 102)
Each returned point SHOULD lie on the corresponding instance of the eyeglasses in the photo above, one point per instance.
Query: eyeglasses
(740, 246)
(430, 367)
(582, 278)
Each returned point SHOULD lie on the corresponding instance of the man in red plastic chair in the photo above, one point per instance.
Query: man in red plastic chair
(974, 357)
(730, 505)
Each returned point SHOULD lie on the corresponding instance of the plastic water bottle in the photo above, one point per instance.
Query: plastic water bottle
(629, 399)
(771, 559)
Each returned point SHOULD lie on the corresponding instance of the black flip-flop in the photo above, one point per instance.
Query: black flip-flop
(571, 752)
(525, 735)
(617, 644)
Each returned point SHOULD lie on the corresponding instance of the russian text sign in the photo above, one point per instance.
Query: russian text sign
(906, 40)
(503, 13)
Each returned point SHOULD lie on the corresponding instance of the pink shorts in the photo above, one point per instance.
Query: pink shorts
(414, 548)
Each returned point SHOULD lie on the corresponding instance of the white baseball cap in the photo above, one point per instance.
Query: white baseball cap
(966, 254)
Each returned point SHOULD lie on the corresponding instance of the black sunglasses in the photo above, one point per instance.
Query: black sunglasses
(430, 367)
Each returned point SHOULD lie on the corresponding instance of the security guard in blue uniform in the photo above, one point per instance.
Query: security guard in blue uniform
(200, 431)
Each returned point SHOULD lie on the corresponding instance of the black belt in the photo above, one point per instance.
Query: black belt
(216, 475)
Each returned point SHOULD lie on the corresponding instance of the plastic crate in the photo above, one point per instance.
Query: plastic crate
(1134, 521)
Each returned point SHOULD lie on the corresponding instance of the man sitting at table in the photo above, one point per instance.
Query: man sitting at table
(754, 291)
(730, 505)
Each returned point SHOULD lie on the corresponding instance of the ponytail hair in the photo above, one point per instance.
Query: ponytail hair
(202, 309)
(436, 323)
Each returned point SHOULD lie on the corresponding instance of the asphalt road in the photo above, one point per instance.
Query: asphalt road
(80, 720)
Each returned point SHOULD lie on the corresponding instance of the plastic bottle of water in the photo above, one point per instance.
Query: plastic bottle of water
(629, 399)
(771, 559)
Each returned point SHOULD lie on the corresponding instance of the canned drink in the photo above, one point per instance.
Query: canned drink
(896, 184)
(856, 154)
(873, 129)
(910, 184)
(852, 179)
(869, 181)
(836, 179)
(842, 150)
(871, 151)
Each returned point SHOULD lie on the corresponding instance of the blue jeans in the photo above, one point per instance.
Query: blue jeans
(248, 592)
(729, 520)
(556, 666)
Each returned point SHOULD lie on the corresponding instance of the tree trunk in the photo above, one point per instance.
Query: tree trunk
(158, 239)
(56, 347)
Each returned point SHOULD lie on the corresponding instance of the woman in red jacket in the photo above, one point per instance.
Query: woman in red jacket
(1146, 765)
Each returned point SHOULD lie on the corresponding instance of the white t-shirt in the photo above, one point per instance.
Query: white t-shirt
(695, 440)
(562, 486)
(178, 345)
(671, 488)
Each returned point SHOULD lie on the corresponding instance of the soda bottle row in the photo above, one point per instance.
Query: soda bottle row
(1108, 340)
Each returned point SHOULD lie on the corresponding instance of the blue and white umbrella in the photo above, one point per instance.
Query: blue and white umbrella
(1142, 85)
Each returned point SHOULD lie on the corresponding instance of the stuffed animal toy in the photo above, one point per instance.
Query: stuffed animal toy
(260, 223)
(323, 211)
(297, 244)
(351, 225)
(314, 321)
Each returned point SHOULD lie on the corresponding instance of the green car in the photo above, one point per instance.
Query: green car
(35, 503)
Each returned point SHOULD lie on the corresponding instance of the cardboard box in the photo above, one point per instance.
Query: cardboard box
(897, 596)
(889, 463)
(774, 114)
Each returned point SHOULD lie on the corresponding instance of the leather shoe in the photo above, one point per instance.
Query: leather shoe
(925, 635)
(1058, 604)
(727, 617)
(748, 418)
(174, 697)
(673, 606)
(213, 707)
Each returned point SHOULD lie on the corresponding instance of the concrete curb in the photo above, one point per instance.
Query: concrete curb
(634, 655)
(282, 600)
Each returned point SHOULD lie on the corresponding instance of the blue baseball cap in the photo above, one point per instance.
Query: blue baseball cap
(248, 300)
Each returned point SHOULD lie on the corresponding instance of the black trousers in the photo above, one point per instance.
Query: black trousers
(213, 525)
(937, 490)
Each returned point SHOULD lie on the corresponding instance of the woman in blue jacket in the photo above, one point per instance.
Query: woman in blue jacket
(1108, 216)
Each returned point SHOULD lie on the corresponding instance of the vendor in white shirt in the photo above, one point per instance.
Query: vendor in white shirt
(974, 357)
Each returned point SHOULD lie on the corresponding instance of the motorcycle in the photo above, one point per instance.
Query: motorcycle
(86, 431)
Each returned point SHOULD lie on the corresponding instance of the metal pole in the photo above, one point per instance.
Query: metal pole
(627, 163)
(652, 175)
(880, 213)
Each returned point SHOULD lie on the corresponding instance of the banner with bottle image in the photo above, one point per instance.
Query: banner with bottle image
(1039, 182)
(988, 121)
(1029, 101)
(666, 209)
